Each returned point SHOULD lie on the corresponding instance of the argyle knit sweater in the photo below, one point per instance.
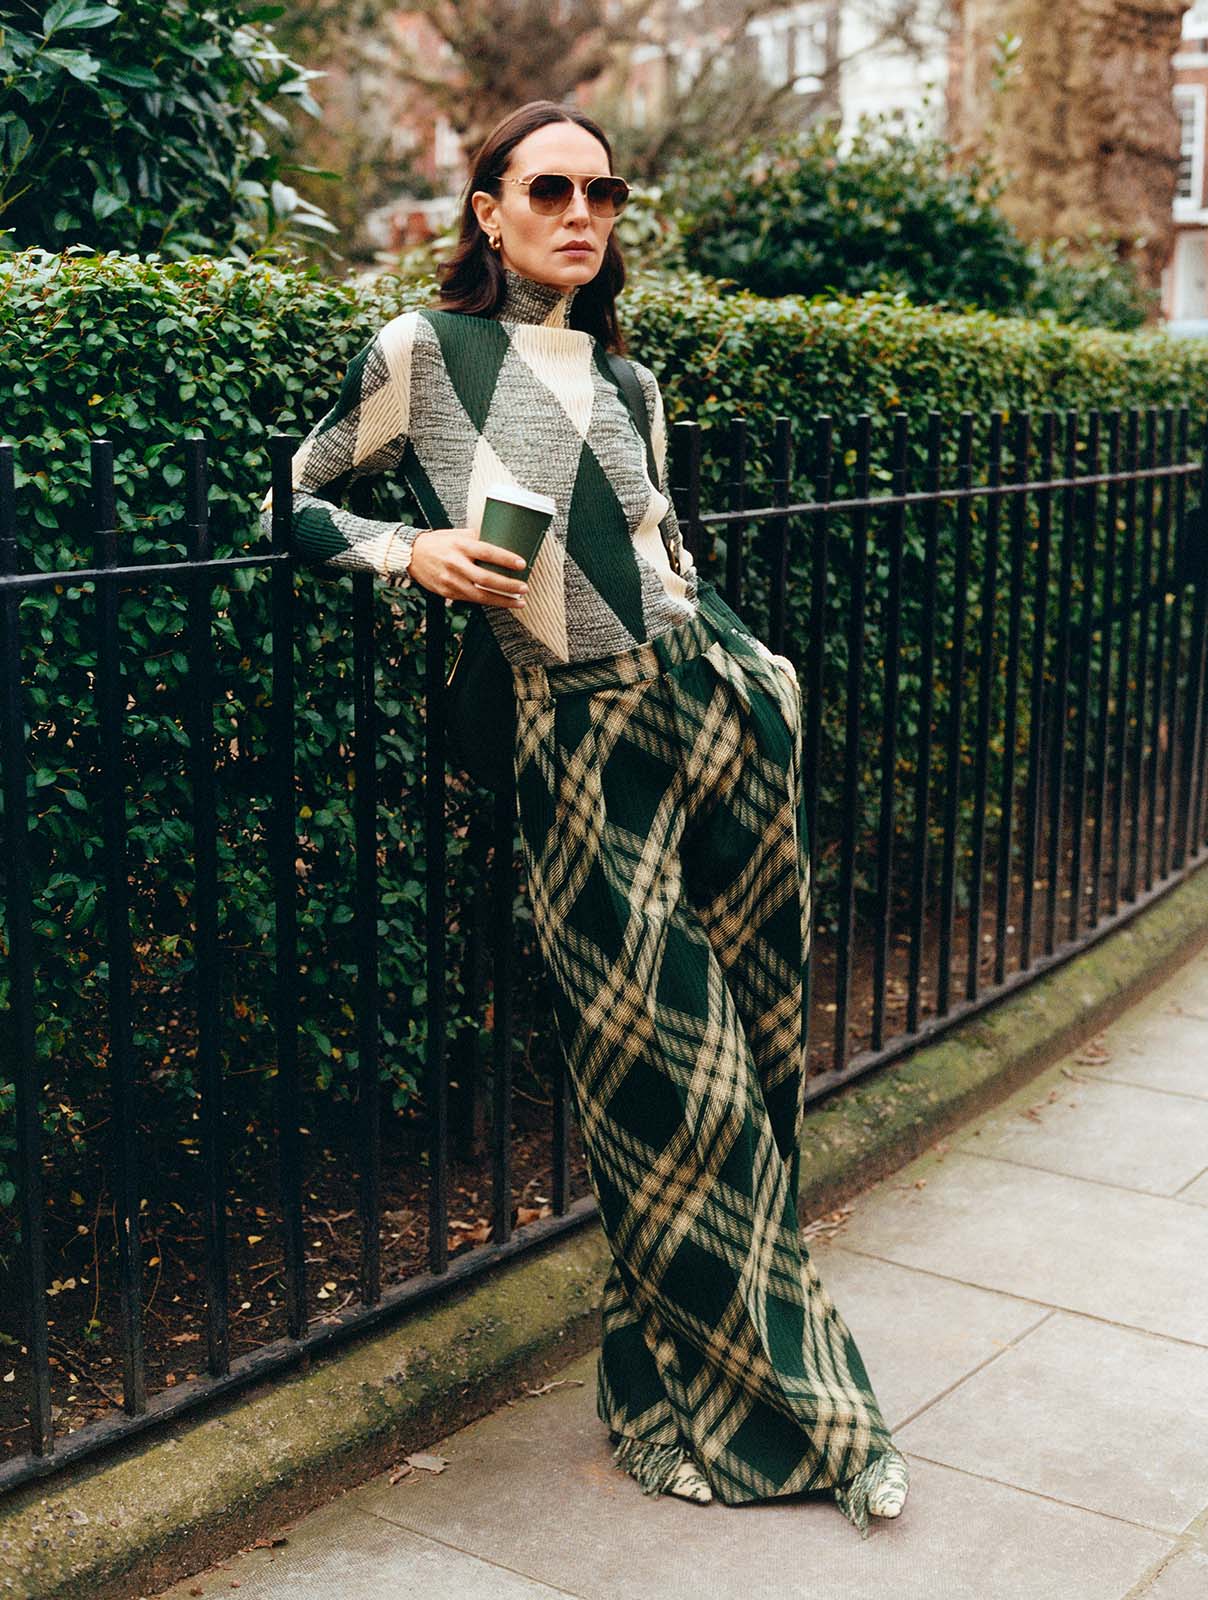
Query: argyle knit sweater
(456, 403)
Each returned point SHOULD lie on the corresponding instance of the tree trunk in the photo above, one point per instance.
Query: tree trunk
(1084, 129)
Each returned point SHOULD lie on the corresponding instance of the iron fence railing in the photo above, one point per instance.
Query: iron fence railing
(1004, 743)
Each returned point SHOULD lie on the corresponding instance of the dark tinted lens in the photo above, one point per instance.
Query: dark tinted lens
(550, 191)
(606, 196)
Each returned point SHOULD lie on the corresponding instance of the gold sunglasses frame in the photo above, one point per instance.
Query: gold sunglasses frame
(526, 183)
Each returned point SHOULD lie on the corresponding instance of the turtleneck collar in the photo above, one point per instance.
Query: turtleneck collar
(526, 300)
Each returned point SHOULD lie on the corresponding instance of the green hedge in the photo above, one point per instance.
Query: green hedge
(146, 353)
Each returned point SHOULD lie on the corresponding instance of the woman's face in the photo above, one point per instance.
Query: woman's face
(535, 245)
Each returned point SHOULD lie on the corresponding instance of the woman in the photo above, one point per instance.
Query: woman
(657, 768)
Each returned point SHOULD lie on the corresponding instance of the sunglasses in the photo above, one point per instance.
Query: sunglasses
(550, 193)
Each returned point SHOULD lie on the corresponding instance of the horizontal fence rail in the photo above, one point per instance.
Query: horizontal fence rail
(1000, 632)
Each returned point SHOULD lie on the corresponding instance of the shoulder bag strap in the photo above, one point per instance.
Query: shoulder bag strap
(631, 389)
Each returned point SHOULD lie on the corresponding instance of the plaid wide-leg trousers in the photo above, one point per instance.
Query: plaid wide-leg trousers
(663, 832)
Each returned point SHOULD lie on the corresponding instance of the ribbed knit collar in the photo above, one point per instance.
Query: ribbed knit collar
(526, 300)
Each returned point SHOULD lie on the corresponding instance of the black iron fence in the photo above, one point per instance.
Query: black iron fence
(1004, 694)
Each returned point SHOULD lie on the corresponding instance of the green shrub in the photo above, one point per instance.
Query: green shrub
(890, 212)
(806, 216)
(1089, 286)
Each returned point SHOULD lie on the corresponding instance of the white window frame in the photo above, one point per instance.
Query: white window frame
(809, 46)
(1186, 208)
(1195, 21)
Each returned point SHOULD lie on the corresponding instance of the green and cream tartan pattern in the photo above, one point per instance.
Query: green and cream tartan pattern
(660, 803)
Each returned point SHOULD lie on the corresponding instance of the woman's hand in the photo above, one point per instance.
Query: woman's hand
(445, 560)
(783, 662)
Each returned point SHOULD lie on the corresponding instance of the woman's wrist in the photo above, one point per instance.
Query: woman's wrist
(395, 559)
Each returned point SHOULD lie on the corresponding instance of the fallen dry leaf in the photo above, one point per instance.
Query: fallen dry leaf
(1094, 1053)
(556, 1383)
(470, 1232)
(827, 1224)
(426, 1463)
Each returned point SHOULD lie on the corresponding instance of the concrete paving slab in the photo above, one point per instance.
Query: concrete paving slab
(1183, 1577)
(1170, 1068)
(1135, 1259)
(535, 1486)
(1114, 1132)
(1176, 1069)
(1169, 1029)
(1196, 1192)
(1094, 1415)
(918, 1334)
(341, 1553)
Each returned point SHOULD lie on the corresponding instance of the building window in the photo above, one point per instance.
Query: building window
(1189, 104)
(1195, 20)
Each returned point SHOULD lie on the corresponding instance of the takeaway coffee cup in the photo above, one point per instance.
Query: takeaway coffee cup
(515, 519)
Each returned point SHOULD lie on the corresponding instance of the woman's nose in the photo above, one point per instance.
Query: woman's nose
(577, 209)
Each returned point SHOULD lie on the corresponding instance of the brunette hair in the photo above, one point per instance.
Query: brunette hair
(471, 276)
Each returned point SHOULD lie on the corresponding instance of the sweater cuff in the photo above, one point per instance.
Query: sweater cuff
(392, 559)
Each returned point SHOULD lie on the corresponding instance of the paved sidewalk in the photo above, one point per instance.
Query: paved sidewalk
(1031, 1299)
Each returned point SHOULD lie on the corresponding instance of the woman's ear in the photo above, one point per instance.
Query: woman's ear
(485, 206)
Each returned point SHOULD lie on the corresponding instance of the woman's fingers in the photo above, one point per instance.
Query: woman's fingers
(447, 561)
(496, 582)
(490, 588)
(494, 587)
(497, 553)
(494, 597)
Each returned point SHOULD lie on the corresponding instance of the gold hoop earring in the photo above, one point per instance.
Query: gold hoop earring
(493, 240)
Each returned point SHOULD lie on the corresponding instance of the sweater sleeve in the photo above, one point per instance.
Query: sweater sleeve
(363, 434)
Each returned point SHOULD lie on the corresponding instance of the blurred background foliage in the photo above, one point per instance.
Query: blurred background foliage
(890, 210)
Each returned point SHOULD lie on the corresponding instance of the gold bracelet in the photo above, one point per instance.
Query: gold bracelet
(386, 554)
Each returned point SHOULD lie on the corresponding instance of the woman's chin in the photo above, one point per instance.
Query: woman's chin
(571, 268)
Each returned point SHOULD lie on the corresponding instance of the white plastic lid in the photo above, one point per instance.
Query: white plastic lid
(515, 495)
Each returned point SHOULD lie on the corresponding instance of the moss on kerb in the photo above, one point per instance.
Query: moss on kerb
(172, 1503)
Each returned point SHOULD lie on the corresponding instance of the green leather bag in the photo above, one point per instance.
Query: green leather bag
(479, 700)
